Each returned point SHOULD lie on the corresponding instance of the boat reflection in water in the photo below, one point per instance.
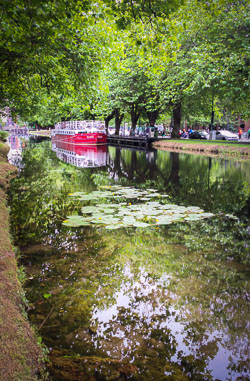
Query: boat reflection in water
(16, 147)
(83, 156)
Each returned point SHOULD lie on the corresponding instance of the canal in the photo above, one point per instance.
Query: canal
(136, 262)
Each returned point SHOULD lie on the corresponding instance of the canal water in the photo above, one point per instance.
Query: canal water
(155, 298)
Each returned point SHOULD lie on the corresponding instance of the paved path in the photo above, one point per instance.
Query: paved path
(46, 133)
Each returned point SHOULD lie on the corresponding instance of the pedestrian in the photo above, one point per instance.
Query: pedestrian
(248, 133)
(240, 133)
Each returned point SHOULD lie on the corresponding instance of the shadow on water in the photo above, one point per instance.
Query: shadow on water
(161, 303)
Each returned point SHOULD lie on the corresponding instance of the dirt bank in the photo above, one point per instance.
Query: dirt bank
(20, 355)
(234, 150)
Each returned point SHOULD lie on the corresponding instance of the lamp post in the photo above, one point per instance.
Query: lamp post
(212, 133)
(212, 114)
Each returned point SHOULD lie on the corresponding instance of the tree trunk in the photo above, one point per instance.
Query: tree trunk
(174, 177)
(173, 181)
(177, 121)
(118, 119)
(133, 165)
(108, 119)
(117, 171)
(134, 118)
(152, 116)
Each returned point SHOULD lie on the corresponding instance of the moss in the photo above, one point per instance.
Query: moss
(20, 355)
(89, 368)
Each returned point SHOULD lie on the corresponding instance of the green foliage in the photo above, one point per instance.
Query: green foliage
(3, 135)
(89, 58)
(49, 56)
(129, 12)
(46, 295)
(199, 53)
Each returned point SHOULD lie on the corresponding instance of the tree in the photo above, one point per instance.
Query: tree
(139, 57)
(211, 63)
(127, 12)
(128, 89)
(197, 54)
(50, 53)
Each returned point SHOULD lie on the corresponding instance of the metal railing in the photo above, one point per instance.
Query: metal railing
(78, 124)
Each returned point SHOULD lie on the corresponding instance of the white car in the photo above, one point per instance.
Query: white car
(204, 134)
(111, 130)
(226, 135)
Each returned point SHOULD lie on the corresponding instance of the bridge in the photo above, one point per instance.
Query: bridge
(12, 130)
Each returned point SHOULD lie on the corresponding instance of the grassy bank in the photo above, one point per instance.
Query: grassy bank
(226, 149)
(20, 354)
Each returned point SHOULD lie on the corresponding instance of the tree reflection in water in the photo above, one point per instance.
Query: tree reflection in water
(139, 304)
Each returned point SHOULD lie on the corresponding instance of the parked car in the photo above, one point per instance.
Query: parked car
(111, 130)
(124, 132)
(226, 135)
(204, 134)
(198, 135)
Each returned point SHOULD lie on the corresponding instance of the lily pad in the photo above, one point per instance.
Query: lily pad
(112, 227)
(208, 215)
(194, 209)
(75, 221)
(89, 209)
(129, 220)
(192, 217)
(139, 224)
(107, 206)
(119, 214)
(135, 207)
(164, 221)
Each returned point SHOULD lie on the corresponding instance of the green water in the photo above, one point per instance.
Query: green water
(161, 303)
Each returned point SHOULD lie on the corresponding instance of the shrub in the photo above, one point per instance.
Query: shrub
(3, 135)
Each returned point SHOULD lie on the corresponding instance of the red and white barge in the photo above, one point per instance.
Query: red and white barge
(84, 132)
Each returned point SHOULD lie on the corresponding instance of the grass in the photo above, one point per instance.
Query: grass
(211, 147)
(20, 353)
(211, 142)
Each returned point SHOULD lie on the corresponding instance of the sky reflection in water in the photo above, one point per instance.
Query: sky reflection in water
(170, 301)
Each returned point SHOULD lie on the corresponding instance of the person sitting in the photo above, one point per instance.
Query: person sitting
(240, 133)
